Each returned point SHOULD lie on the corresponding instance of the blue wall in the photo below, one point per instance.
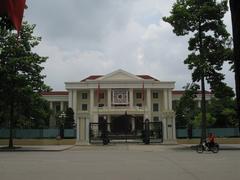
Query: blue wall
(218, 132)
(37, 133)
(71, 133)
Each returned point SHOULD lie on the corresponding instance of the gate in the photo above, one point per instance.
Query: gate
(153, 131)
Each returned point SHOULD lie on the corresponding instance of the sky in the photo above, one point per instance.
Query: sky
(97, 37)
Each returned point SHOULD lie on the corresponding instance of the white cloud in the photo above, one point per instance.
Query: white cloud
(97, 37)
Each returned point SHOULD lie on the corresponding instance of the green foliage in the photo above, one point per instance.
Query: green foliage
(69, 120)
(198, 119)
(210, 42)
(222, 107)
(21, 78)
(222, 91)
(187, 107)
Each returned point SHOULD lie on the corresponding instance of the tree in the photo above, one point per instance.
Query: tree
(187, 107)
(20, 72)
(209, 44)
(222, 107)
(209, 121)
(235, 12)
(69, 120)
(36, 114)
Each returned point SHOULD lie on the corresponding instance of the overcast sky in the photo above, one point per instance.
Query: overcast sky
(86, 37)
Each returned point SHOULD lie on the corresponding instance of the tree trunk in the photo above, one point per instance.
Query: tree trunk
(203, 102)
(235, 12)
(203, 109)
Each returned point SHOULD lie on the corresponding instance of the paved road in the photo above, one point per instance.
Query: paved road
(120, 162)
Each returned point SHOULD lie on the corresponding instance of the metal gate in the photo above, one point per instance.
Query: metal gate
(152, 131)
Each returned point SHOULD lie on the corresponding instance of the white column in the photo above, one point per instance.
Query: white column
(170, 99)
(165, 97)
(74, 103)
(131, 98)
(91, 100)
(70, 97)
(165, 128)
(78, 129)
(95, 117)
(108, 121)
(52, 121)
(146, 116)
(174, 127)
(109, 98)
(149, 103)
(199, 103)
(133, 124)
(51, 105)
(169, 128)
(82, 129)
(61, 106)
(87, 130)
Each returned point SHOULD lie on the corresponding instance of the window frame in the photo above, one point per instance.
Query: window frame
(154, 107)
(138, 95)
(84, 109)
(155, 95)
(84, 95)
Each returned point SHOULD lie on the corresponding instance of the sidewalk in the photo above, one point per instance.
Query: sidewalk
(46, 148)
(229, 146)
(221, 146)
(119, 147)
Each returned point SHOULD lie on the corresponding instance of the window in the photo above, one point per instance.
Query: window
(84, 107)
(155, 119)
(155, 95)
(84, 95)
(101, 95)
(155, 107)
(139, 105)
(138, 95)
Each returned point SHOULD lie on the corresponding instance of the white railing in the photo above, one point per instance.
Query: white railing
(120, 108)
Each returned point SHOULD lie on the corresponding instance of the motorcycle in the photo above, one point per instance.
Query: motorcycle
(204, 147)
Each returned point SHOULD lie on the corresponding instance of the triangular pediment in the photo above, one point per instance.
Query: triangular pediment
(120, 75)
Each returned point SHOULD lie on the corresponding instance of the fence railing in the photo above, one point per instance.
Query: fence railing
(37, 133)
(71, 133)
(218, 132)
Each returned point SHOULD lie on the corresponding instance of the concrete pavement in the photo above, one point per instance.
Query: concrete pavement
(118, 162)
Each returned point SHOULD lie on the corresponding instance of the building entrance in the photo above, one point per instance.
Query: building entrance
(125, 128)
(121, 124)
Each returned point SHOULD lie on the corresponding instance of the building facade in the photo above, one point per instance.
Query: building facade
(110, 96)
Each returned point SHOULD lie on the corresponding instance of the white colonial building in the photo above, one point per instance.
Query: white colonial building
(112, 95)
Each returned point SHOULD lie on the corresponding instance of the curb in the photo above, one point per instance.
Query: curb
(221, 147)
(31, 149)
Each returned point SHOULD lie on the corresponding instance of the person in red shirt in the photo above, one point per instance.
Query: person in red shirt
(211, 140)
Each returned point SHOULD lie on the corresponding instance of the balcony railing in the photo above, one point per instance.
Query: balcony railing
(120, 108)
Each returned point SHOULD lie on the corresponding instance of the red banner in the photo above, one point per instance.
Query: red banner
(14, 10)
(98, 92)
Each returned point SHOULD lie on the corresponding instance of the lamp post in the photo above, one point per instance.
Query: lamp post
(105, 138)
(62, 117)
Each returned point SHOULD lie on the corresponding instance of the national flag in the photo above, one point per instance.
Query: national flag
(14, 10)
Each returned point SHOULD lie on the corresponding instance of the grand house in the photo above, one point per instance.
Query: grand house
(110, 96)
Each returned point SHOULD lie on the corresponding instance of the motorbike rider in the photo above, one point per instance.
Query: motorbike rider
(210, 140)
